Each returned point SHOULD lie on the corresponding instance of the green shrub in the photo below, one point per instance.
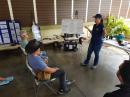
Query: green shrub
(116, 26)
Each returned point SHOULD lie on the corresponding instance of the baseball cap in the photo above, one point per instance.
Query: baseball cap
(32, 46)
(98, 16)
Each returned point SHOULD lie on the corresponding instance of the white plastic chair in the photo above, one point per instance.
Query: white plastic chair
(38, 83)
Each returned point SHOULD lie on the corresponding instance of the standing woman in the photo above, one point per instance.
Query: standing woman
(98, 32)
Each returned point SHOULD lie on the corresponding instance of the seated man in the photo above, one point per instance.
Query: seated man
(24, 42)
(41, 68)
(123, 75)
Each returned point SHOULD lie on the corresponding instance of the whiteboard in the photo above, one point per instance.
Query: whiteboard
(72, 26)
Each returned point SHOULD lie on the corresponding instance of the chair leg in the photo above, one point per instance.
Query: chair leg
(36, 89)
(53, 90)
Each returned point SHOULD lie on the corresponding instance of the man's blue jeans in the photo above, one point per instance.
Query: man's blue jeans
(96, 49)
(61, 75)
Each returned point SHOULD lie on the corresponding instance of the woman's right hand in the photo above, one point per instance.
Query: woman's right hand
(88, 28)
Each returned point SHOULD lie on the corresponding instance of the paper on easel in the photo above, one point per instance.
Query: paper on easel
(6, 35)
(12, 32)
(18, 31)
(4, 31)
(2, 23)
(17, 26)
(36, 32)
(6, 40)
(3, 26)
(11, 25)
(72, 26)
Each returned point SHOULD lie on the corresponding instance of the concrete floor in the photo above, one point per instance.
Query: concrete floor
(89, 83)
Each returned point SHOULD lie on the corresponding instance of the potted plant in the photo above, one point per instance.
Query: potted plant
(117, 28)
(120, 38)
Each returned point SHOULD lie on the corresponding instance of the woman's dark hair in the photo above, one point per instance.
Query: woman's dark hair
(32, 46)
(124, 71)
(101, 20)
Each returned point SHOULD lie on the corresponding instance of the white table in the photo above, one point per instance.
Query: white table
(48, 41)
(114, 43)
(8, 47)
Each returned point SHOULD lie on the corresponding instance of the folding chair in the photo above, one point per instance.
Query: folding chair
(38, 83)
(23, 50)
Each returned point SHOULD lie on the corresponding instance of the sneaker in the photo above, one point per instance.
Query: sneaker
(9, 78)
(70, 82)
(4, 82)
(86, 62)
(83, 64)
(93, 67)
(62, 92)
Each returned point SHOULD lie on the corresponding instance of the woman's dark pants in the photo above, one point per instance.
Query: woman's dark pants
(96, 49)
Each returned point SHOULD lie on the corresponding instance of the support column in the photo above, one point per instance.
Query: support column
(110, 8)
(99, 10)
(86, 11)
(10, 9)
(35, 11)
(55, 11)
(127, 13)
(72, 9)
(119, 9)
